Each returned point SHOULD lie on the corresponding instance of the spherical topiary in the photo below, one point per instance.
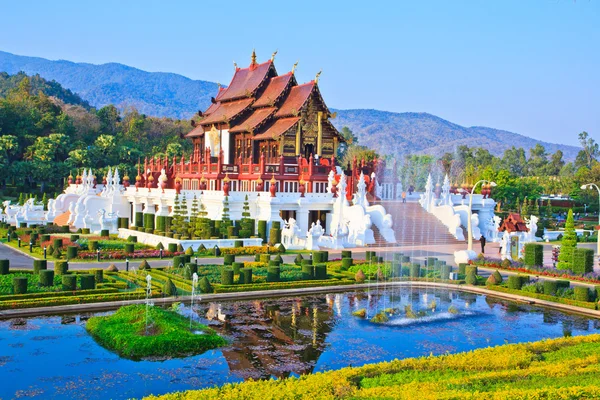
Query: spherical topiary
(346, 263)
(20, 285)
(4, 267)
(273, 274)
(205, 286)
(226, 276)
(61, 267)
(228, 259)
(87, 282)
(360, 276)
(39, 265)
(69, 282)
(46, 277)
(320, 271)
(99, 275)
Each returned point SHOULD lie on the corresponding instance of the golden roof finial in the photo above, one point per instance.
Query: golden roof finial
(253, 57)
(273, 181)
(226, 179)
(294, 67)
(318, 75)
(235, 67)
(273, 56)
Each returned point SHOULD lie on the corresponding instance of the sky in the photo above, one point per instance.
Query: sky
(526, 66)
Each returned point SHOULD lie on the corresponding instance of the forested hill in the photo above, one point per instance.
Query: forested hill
(175, 96)
(152, 93)
(406, 133)
(49, 88)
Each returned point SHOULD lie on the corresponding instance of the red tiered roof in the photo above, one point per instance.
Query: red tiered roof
(295, 100)
(273, 91)
(226, 111)
(255, 119)
(197, 131)
(277, 129)
(245, 82)
(513, 223)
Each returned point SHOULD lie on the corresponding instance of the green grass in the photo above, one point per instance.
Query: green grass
(168, 334)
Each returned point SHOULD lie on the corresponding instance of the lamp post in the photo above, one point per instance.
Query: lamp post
(591, 186)
(98, 255)
(469, 223)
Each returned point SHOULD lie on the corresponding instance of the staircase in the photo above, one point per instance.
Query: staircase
(413, 226)
(62, 219)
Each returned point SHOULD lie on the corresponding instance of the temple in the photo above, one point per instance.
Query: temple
(263, 128)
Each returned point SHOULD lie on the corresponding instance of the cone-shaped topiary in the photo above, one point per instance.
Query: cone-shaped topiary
(160, 246)
(169, 288)
(205, 286)
(189, 251)
(497, 277)
(112, 268)
(298, 259)
(144, 265)
(360, 276)
(567, 244)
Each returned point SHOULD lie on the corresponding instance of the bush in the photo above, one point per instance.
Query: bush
(104, 233)
(307, 270)
(99, 275)
(550, 287)
(415, 270)
(46, 278)
(169, 288)
(581, 293)
(178, 261)
(71, 252)
(39, 265)
(226, 276)
(60, 267)
(87, 282)
(246, 273)
(462, 269)
(445, 272)
(205, 286)
(346, 254)
(20, 285)
(237, 267)
(4, 267)
(273, 274)
(112, 268)
(360, 277)
(144, 265)
(85, 231)
(471, 277)
(583, 260)
(262, 230)
(515, 282)
(228, 259)
(265, 258)
(278, 258)
(534, 254)
(132, 239)
(57, 242)
(346, 263)
(93, 245)
(69, 282)
(172, 247)
(321, 271)
(238, 243)
(160, 246)
(274, 235)
(298, 260)
(189, 251)
(74, 238)
(274, 263)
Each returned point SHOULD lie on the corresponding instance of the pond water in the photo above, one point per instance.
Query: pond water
(54, 357)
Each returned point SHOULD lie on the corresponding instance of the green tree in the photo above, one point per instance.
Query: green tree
(567, 244)
(525, 208)
(590, 148)
(193, 218)
(225, 219)
(177, 221)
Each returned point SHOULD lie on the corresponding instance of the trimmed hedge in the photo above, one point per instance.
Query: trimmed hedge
(172, 247)
(581, 293)
(534, 254)
(282, 285)
(104, 233)
(178, 261)
(550, 287)
(99, 275)
(39, 265)
(71, 252)
(583, 260)
(247, 274)
(87, 282)
(516, 282)
(46, 278)
(321, 271)
(69, 282)
(273, 274)
(20, 285)
(228, 259)
(346, 263)
(226, 276)
(462, 269)
(415, 270)
(4, 267)
(307, 270)
(346, 254)
(445, 272)
(237, 267)
(129, 248)
(541, 296)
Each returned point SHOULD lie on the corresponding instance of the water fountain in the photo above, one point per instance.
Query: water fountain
(194, 285)
(148, 298)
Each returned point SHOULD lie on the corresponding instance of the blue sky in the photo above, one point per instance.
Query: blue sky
(528, 66)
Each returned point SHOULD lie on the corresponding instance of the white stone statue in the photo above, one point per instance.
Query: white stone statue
(475, 226)
(108, 221)
(532, 226)
(72, 213)
(314, 234)
(291, 235)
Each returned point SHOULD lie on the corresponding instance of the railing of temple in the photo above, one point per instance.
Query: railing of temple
(288, 169)
(231, 169)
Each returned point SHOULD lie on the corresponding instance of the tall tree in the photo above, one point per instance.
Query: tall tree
(590, 148)
(567, 244)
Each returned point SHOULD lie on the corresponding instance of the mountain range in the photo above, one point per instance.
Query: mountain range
(172, 95)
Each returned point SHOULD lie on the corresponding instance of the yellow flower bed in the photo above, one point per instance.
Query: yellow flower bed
(566, 368)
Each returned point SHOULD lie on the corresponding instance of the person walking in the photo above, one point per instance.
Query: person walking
(482, 241)
(404, 197)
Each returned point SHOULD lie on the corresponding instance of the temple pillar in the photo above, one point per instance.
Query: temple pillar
(298, 133)
(149, 217)
(320, 133)
(138, 214)
(302, 215)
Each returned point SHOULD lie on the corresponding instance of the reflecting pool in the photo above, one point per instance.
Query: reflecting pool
(54, 357)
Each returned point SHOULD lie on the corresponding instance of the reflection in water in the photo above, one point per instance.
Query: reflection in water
(272, 338)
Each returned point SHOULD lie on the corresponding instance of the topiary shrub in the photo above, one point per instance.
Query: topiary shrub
(583, 260)
(346, 263)
(172, 247)
(568, 244)
(274, 263)
(60, 267)
(132, 239)
(238, 243)
(317, 257)
(497, 277)
(273, 274)
(307, 270)
(298, 260)
(514, 282)
(265, 258)
(491, 280)
(178, 261)
(471, 276)
(93, 245)
(563, 284)
(99, 275)
(205, 286)
(346, 254)
(87, 282)
(4, 267)
(160, 246)
(144, 265)
(39, 265)
(431, 262)
(169, 288)
(69, 283)
(45, 238)
(112, 268)
(74, 238)
(320, 271)
(19, 285)
(445, 272)
(462, 269)
(274, 236)
(57, 253)
(360, 277)
(104, 233)
(228, 259)
(415, 270)
(581, 293)
(237, 267)
(534, 254)
(246, 273)
(226, 276)
(85, 231)
(550, 287)
(189, 251)
(57, 242)
(46, 278)
(71, 252)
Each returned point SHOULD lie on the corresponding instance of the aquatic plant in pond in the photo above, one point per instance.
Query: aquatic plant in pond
(169, 334)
